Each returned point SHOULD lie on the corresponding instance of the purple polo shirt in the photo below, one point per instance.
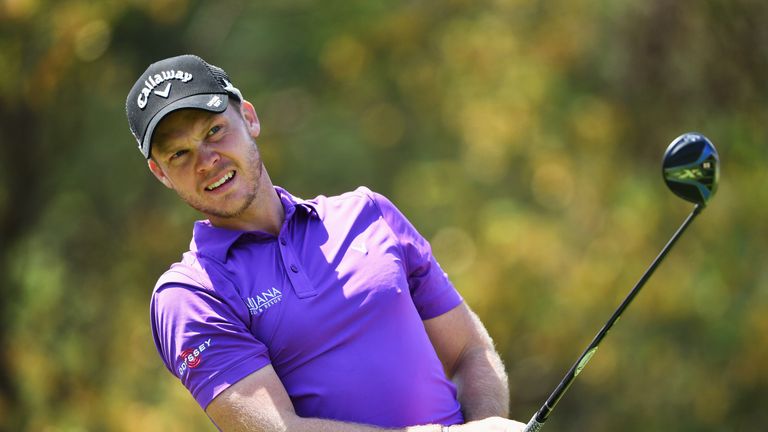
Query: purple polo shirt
(335, 303)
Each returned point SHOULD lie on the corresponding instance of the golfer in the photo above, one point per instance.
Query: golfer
(287, 314)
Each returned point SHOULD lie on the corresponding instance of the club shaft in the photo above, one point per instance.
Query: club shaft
(543, 413)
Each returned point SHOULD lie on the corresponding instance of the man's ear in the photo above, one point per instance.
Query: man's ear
(159, 174)
(251, 119)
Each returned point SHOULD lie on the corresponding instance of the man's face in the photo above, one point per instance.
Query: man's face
(210, 160)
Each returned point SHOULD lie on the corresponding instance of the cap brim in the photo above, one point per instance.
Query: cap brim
(199, 101)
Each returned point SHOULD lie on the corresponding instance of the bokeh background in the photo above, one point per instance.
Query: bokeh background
(523, 138)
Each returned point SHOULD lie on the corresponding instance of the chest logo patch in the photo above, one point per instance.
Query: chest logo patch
(257, 305)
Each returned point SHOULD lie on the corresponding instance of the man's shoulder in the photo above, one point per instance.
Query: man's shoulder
(187, 272)
(362, 196)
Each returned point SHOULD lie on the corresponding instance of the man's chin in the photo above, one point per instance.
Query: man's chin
(221, 212)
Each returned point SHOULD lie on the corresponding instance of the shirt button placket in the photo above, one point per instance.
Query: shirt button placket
(301, 285)
(294, 268)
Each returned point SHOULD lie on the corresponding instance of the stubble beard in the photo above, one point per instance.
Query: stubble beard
(251, 175)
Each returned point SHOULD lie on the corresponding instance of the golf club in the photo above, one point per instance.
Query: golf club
(691, 169)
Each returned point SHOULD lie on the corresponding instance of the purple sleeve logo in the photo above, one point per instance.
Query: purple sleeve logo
(191, 357)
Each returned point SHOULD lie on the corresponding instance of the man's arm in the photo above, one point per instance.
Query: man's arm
(260, 403)
(470, 360)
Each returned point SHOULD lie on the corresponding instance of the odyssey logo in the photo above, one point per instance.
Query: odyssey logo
(267, 299)
(191, 357)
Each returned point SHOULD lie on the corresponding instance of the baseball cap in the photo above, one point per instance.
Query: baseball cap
(184, 81)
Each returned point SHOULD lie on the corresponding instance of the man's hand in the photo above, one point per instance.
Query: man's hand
(491, 424)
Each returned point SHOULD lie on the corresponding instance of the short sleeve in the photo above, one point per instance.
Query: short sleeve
(431, 290)
(203, 340)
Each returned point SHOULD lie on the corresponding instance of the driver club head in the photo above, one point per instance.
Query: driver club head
(691, 167)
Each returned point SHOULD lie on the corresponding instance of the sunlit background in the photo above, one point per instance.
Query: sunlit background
(523, 138)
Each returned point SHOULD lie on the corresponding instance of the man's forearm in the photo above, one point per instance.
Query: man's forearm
(482, 384)
(492, 424)
(483, 392)
(322, 425)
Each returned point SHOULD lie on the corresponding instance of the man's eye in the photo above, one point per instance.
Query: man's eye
(178, 154)
(214, 130)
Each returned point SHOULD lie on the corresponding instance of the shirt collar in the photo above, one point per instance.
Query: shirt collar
(215, 242)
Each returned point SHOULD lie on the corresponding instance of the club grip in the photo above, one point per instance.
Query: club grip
(533, 425)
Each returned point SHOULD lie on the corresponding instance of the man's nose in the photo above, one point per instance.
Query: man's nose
(207, 158)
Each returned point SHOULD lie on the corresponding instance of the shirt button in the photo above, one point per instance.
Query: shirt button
(294, 268)
(283, 242)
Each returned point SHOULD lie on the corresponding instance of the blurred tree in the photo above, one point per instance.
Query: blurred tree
(517, 135)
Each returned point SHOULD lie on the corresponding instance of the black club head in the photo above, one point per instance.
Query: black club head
(691, 168)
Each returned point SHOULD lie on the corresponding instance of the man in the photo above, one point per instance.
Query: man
(286, 314)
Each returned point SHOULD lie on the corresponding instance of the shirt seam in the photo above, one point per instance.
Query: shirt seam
(392, 230)
(442, 296)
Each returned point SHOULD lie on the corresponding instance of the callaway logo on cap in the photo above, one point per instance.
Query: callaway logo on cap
(172, 84)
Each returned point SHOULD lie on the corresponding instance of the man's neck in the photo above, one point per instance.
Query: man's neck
(266, 213)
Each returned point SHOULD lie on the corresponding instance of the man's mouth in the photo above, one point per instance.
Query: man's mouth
(220, 182)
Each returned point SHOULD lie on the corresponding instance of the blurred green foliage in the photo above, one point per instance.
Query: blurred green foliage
(522, 137)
